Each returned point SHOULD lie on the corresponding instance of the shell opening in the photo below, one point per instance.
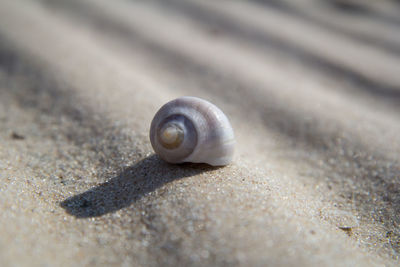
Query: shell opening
(171, 136)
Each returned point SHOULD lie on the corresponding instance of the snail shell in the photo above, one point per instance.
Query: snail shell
(190, 129)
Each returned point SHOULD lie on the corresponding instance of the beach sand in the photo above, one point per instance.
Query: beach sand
(312, 89)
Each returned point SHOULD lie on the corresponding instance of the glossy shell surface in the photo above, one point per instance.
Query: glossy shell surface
(190, 129)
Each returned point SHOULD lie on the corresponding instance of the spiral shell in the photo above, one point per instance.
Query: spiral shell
(190, 129)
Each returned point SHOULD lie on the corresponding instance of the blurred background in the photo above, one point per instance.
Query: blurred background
(311, 87)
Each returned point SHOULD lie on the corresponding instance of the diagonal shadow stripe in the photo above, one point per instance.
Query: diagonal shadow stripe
(357, 9)
(377, 42)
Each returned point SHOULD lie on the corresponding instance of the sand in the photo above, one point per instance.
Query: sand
(312, 91)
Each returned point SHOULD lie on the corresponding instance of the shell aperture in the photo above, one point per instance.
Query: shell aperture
(190, 129)
(171, 136)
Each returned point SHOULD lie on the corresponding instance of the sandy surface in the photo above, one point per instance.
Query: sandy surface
(312, 89)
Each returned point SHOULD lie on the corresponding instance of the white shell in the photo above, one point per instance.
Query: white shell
(203, 132)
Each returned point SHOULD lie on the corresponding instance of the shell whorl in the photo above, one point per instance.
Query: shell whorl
(190, 129)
